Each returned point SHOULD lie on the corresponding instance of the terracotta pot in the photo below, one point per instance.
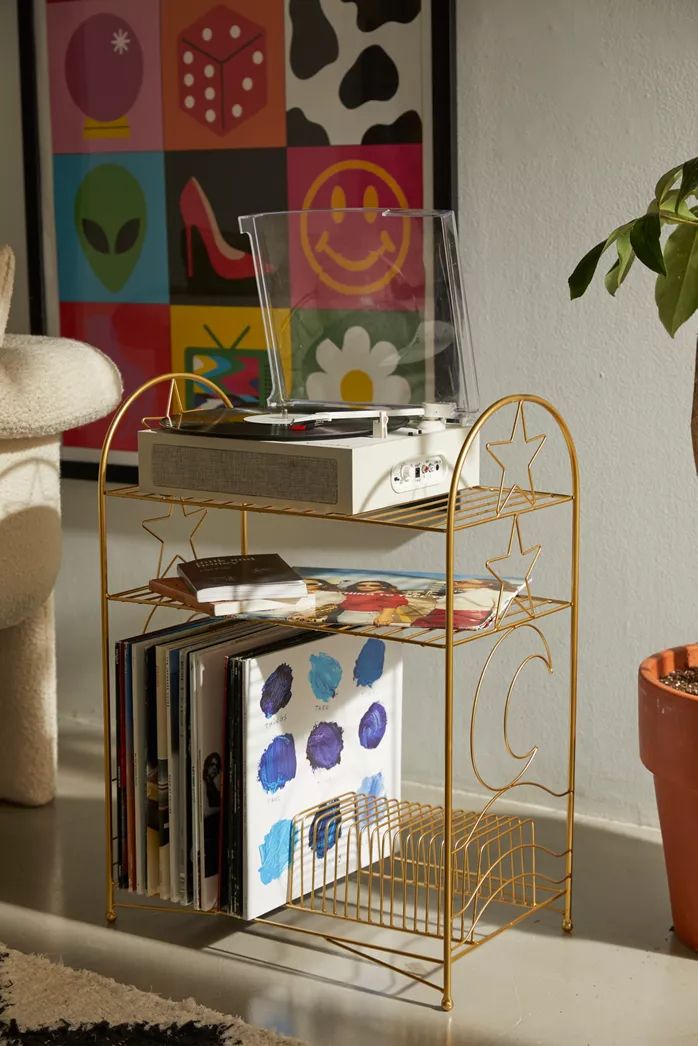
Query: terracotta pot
(669, 748)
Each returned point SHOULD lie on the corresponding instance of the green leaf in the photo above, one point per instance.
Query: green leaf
(676, 293)
(689, 179)
(584, 272)
(611, 278)
(621, 267)
(671, 203)
(644, 238)
(665, 183)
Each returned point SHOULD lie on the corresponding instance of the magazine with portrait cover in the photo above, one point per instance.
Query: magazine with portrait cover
(346, 596)
(404, 599)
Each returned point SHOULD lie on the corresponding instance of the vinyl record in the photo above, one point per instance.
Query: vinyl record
(232, 424)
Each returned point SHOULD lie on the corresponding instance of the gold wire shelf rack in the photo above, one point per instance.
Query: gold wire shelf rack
(474, 507)
(376, 860)
(541, 606)
(453, 879)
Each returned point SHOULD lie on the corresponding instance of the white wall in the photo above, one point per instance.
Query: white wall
(567, 113)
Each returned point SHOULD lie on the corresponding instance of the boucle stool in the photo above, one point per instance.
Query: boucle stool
(47, 385)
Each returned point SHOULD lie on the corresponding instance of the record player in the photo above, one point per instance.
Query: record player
(373, 382)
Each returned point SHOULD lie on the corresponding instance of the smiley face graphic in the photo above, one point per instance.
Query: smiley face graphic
(357, 253)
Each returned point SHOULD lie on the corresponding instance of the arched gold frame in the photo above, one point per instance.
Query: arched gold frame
(444, 837)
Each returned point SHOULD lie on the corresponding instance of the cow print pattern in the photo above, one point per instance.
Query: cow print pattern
(372, 14)
(300, 129)
(354, 72)
(309, 23)
(372, 77)
(406, 129)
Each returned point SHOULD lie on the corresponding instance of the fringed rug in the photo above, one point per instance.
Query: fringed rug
(44, 1004)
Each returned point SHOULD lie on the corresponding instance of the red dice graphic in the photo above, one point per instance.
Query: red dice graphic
(222, 69)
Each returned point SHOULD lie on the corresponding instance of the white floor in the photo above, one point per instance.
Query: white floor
(621, 978)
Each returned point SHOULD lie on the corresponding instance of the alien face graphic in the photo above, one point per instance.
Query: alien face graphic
(110, 219)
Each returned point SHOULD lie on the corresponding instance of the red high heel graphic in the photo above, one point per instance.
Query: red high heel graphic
(197, 213)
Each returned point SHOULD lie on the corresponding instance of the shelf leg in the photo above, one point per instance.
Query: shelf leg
(243, 532)
(447, 1000)
(106, 691)
(574, 613)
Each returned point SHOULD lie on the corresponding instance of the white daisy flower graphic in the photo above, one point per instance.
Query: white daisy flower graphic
(357, 373)
(120, 41)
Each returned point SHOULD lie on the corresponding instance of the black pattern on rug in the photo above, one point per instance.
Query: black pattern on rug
(104, 1034)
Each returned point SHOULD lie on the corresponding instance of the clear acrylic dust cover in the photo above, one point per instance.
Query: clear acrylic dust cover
(365, 307)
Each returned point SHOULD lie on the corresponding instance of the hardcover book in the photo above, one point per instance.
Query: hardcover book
(264, 576)
(177, 589)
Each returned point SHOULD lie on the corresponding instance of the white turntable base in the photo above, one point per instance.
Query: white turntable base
(347, 476)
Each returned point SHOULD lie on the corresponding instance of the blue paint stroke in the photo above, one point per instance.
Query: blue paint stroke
(326, 828)
(275, 851)
(367, 810)
(278, 763)
(373, 785)
(325, 744)
(369, 663)
(276, 692)
(324, 676)
(372, 726)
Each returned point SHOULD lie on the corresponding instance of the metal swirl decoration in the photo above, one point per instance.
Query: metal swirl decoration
(526, 757)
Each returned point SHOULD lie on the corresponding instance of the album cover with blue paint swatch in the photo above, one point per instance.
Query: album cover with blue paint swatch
(319, 720)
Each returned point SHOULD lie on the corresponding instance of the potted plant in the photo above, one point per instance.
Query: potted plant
(668, 681)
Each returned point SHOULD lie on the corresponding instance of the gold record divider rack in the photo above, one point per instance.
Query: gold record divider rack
(424, 870)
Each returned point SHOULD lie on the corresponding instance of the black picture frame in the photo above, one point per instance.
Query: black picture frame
(444, 170)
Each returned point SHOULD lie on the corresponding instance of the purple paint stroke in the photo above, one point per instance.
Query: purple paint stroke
(276, 692)
(372, 726)
(325, 744)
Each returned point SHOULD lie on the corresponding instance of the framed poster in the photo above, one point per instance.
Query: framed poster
(158, 122)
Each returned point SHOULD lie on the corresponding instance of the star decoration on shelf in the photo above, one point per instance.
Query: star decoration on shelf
(503, 459)
(530, 557)
(160, 533)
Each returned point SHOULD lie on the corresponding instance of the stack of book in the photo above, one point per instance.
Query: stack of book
(238, 585)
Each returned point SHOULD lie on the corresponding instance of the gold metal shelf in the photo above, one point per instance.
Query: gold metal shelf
(380, 861)
(475, 506)
(425, 637)
(452, 878)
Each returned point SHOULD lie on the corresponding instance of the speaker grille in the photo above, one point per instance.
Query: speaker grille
(286, 476)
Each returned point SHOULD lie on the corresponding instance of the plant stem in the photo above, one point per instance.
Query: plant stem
(672, 216)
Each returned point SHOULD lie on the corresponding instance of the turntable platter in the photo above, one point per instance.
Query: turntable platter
(235, 424)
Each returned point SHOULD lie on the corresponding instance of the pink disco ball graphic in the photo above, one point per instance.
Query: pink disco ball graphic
(104, 67)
